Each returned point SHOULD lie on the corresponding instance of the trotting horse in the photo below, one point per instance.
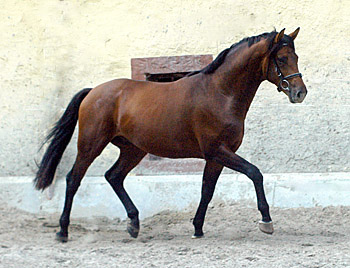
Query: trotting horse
(199, 116)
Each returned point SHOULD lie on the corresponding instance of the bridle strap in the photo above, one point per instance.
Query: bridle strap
(284, 84)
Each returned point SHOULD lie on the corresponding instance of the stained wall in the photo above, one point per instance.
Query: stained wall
(51, 49)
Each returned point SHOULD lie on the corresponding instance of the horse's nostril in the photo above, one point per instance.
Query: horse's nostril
(299, 94)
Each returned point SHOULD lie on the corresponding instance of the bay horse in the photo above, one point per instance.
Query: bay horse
(199, 116)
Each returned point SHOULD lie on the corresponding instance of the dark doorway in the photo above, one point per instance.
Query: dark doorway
(167, 77)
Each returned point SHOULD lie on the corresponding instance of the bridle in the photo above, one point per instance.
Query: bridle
(283, 83)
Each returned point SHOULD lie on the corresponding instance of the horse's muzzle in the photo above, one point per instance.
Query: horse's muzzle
(298, 95)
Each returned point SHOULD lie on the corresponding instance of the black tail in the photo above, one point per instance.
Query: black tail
(60, 136)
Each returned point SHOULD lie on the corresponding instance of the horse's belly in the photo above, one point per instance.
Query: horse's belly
(171, 146)
(175, 152)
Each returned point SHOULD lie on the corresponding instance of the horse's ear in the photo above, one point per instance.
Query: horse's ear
(294, 34)
(279, 36)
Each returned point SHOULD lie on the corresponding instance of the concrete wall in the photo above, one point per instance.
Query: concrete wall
(51, 49)
(153, 194)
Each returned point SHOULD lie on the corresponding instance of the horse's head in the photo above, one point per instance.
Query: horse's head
(282, 69)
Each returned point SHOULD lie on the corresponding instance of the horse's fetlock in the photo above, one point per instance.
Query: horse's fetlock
(263, 207)
(197, 223)
(64, 222)
(133, 215)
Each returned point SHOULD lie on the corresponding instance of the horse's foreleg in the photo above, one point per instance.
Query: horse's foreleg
(211, 174)
(129, 157)
(231, 160)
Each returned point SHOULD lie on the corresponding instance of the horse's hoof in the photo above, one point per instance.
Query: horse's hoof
(197, 236)
(266, 227)
(61, 237)
(133, 230)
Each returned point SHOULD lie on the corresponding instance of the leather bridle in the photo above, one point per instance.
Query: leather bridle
(283, 83)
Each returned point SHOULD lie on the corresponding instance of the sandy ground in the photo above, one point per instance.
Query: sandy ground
(312, 237)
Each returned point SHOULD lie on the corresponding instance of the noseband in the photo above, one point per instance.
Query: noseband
(283, 84)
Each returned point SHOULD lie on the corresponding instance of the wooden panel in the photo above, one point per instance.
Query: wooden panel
(172, 64)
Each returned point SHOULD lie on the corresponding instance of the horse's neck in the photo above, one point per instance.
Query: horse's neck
(239, 78)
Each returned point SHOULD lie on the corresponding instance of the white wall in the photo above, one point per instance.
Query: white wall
(51, 49)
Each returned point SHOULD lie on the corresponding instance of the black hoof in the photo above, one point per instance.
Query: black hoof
(133, 230)
(198, 234)
(61, 237)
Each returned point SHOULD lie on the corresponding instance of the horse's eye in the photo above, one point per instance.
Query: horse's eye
(282, 60)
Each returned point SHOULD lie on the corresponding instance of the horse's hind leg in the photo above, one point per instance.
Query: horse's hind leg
(87, 152)
(129, 157)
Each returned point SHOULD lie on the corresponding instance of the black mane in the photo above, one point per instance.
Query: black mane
(215, 64)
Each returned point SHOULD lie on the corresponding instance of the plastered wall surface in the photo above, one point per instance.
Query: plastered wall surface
(49, 50)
